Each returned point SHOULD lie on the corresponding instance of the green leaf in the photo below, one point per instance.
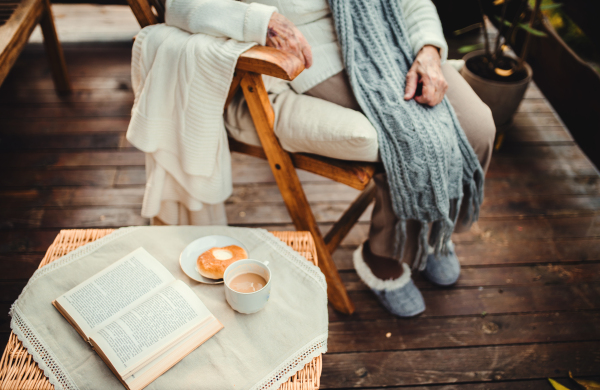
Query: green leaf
(546, 7)
(586, 384)
(532, 31)
(557, 385)
(506, 22)
(469, 48)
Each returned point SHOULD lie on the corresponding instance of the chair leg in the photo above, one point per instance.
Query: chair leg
(342, 227)
(290, 187)
(54, 50)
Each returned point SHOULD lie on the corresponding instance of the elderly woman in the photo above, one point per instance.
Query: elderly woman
(325, 93)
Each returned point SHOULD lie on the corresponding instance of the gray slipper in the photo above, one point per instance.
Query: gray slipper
(400, 296)
(442, 270)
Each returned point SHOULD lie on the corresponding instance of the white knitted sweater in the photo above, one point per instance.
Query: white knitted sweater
(247, 21)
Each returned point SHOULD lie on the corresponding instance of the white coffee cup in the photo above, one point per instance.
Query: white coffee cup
(247, 303)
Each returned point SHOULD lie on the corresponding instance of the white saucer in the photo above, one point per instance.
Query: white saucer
(189, 256)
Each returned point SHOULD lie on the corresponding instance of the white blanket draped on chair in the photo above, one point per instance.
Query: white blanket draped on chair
(181, 81)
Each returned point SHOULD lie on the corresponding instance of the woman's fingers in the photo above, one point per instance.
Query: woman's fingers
(412, 80)
(284, 36)
(307, 53)
(427, 96)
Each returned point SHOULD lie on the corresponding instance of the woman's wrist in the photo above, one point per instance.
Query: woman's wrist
(431, 50)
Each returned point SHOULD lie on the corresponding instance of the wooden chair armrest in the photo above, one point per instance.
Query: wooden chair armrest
(270, 62)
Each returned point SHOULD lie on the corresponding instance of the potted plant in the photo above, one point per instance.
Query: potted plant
(498, 78)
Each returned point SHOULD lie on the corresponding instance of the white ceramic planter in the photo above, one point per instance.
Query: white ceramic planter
(502, 98)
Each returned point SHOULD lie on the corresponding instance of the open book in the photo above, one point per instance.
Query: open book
(138, 318)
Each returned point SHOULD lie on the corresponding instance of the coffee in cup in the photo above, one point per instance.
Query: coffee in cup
(247, 285)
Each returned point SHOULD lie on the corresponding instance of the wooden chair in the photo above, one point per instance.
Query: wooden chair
(18, 18)
(250, 66)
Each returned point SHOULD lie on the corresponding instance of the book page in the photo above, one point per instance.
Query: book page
(173, 355)
(108, 294)
(149, 329)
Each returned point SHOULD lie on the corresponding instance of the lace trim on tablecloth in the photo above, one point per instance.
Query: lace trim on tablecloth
(41, 354)
(293, 364)
(315, 347)
(294, 257)
(34, 344)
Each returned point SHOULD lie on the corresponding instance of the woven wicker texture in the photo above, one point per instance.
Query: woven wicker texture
(19, 371)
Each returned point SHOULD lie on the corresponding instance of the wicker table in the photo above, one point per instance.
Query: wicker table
(19, 371)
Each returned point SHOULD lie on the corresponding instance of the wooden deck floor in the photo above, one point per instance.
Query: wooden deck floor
(526, 307)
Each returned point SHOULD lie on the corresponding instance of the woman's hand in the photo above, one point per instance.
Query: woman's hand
(283, 35)
(426, 70)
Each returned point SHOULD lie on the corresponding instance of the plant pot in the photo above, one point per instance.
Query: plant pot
(502, 98)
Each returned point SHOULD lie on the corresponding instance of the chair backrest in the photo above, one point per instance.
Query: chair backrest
(148, 12)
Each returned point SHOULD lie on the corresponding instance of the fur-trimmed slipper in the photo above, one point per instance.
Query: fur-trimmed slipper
(442, 270)
(400, 296)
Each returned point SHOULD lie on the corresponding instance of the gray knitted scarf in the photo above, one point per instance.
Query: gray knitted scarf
(429, 163)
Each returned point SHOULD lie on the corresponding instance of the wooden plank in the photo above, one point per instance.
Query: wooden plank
(509, 187)
(18, 267)
(540, 206)
(10, 290)
(5, 320)
(483, 364)
(103, 217)
(506, 229)
(501, 231)
(537, 119)
(74, 110)
(269, 213)
(535, 105)
(419, 333)
(328, 191)
(561, 164)
(72, 177)
(84, 59)
(491, 253)
(527, 185)
(98, 81)
(69, 197)
(243, 173)
(529, 275)
(64, 125)
(26, 241)
(46, 142)
(494, 252)
(546, 135)
(253, 214)
(491, 300)
(18, 96)
(239, 212)
(72, 159)
(130, 176)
